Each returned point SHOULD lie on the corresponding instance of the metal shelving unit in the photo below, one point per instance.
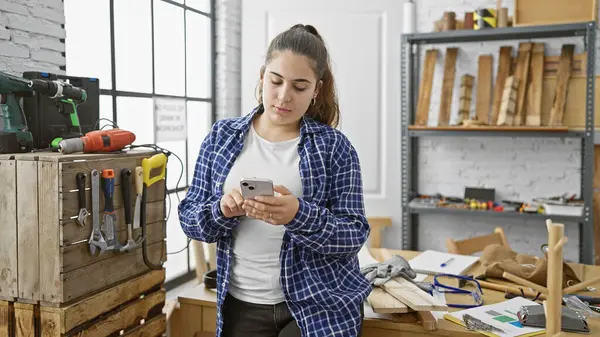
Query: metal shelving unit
(410, 54)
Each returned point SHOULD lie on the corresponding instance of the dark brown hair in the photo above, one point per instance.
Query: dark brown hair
(305, 40)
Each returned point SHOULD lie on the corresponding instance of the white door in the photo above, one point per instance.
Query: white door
(363, 38)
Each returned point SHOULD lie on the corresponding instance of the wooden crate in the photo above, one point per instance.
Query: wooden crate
(8, 228)
(550, 12)
(131, 308)
(54, 262)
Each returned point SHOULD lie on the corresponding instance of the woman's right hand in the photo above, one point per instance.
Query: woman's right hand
(231, 204)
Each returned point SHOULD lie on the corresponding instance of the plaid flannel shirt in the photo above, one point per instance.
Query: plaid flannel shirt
(320, 274)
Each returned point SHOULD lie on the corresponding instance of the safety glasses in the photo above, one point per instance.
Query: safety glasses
(442, 284)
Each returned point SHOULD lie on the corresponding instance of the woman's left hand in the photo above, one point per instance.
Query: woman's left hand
(276, 210)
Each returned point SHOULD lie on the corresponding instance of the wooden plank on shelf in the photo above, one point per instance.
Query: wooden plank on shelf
(575, 116)
(423, 104)
(384, 303)
(8, 228)
(447, 86)
(504, 65)
(535, 88)
(560, 97)
(578, 65)
(484, 88)
(508, 105)
(466, 94)
(413, 296)
(490, 128)
(522, 75)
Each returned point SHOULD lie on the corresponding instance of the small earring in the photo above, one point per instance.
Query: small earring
(313, 101)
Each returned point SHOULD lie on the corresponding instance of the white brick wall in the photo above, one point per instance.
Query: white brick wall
(520, 168)
(228, 29)
(30, 36)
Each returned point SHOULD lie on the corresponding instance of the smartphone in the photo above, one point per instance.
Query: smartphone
(252, 187)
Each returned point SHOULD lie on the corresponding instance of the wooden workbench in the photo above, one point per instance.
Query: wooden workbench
(198, 310)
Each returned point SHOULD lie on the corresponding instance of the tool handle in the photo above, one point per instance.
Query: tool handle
(81, 187)
(156, 161)
(139, 180)
(126, 191)
(108, 175)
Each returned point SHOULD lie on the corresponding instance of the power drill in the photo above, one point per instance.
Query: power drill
(15, 136)
(98, 141)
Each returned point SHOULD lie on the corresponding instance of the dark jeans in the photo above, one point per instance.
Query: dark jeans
(243, 319)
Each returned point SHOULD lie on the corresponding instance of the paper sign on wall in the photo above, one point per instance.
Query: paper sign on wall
(170, 119)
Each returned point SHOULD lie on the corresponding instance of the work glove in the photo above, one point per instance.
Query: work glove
(397, 266)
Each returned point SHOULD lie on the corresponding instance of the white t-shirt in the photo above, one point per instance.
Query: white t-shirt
(255, 268)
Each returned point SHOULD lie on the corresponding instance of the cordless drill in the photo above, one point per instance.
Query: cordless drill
(15, 136)
(98, 141)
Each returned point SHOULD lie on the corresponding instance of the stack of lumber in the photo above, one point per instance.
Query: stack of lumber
(400, 296)
(50, 283)
(530, 89)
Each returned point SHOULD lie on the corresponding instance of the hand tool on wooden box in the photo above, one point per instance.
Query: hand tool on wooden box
(126, 191)
(156, 162)
(83, 212)
(110, 217)
(96, 238)
(139, 189)
(98, 141)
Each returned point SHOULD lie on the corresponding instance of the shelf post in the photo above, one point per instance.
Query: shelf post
(405, 92)
(587, 169)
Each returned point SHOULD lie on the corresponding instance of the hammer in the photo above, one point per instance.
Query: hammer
(503, 288)
(126, 185)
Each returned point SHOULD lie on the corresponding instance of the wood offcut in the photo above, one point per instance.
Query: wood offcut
(504, 67)
(508, 105)
(425, 87)
(534, 91)
(562, 84)
(522, 75)
(484, 88)
(447, 86)
(466, 94)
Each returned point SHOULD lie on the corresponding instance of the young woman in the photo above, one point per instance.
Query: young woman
(286, 264)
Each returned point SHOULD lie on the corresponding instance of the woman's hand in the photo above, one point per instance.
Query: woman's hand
(231, 204)
(277, 210)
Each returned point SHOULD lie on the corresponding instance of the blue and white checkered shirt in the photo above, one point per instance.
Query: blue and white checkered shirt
(320, 274)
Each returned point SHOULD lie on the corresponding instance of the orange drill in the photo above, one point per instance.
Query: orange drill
(98, 141)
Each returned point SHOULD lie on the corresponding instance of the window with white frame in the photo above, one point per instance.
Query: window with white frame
(143, 51)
